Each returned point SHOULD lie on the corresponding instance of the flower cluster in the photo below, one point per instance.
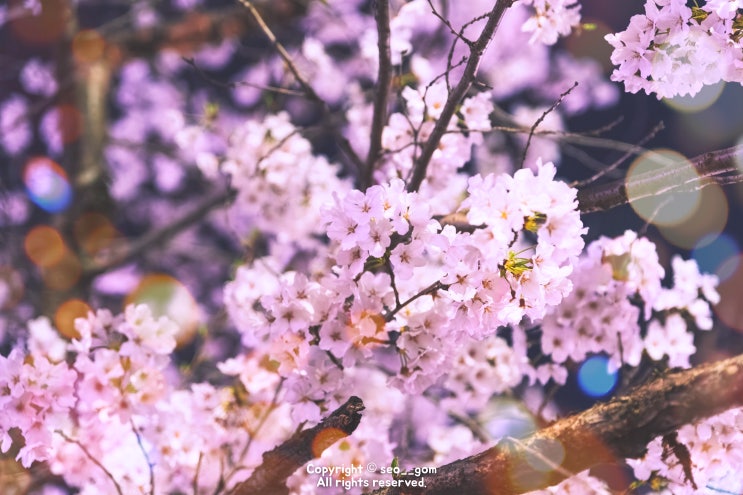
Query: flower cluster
(395, 279)
(427, 304)
(551, 20)
(705, 457)
(36, 396)
(111, 416)
(674, 49)
(602, 314)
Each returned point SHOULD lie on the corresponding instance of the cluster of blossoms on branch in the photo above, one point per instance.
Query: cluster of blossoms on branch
(714, 448)
(602, 314)
(428, 304)
(104, 411)
(675, 49)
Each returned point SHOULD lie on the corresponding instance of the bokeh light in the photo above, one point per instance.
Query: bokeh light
(712, 128)
(63, 274)
(595, 377)
(166, 296)
(44, 246)
(67, 313)
(706, 221)
(508, 418)
(47, 184)
(671, 208)
(704, 99)
(718, 255)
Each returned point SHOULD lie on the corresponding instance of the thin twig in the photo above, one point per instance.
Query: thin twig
(683, 175)
(150, 465)
(446, 23)
(195, 482)
(388, 265)
(92, 459)
(542, 117)
(269, 409)
(457, 94)
(306, 86)
(343, 143)
(381, 97)
(643, 230)
(428, 290)
(584, 158)
(655, 130)
(450, 56)
(232, 85)
(129, 251)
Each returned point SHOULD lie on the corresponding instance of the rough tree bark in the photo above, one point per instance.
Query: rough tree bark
(605, 433)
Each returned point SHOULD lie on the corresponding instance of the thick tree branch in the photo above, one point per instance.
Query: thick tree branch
(477, 49)
(384, 79)
(278, 464)
(683, 176)
(602, 434)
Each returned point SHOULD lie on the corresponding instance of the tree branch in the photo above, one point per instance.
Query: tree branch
(120, 255)
(618, 429)
(458, 93)
(307, 88)
(384, 79)
(303, 82)
(683, 176)
(278, 464)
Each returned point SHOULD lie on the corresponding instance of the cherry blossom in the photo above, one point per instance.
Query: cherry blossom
(328, 272)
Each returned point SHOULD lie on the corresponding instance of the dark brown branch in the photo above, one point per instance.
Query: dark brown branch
(458, 93)
(381, 97)
(683, 176)
(605, 433)
(122, 254)
(278, 464)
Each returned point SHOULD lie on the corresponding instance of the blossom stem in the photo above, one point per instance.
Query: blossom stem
(92, 459)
